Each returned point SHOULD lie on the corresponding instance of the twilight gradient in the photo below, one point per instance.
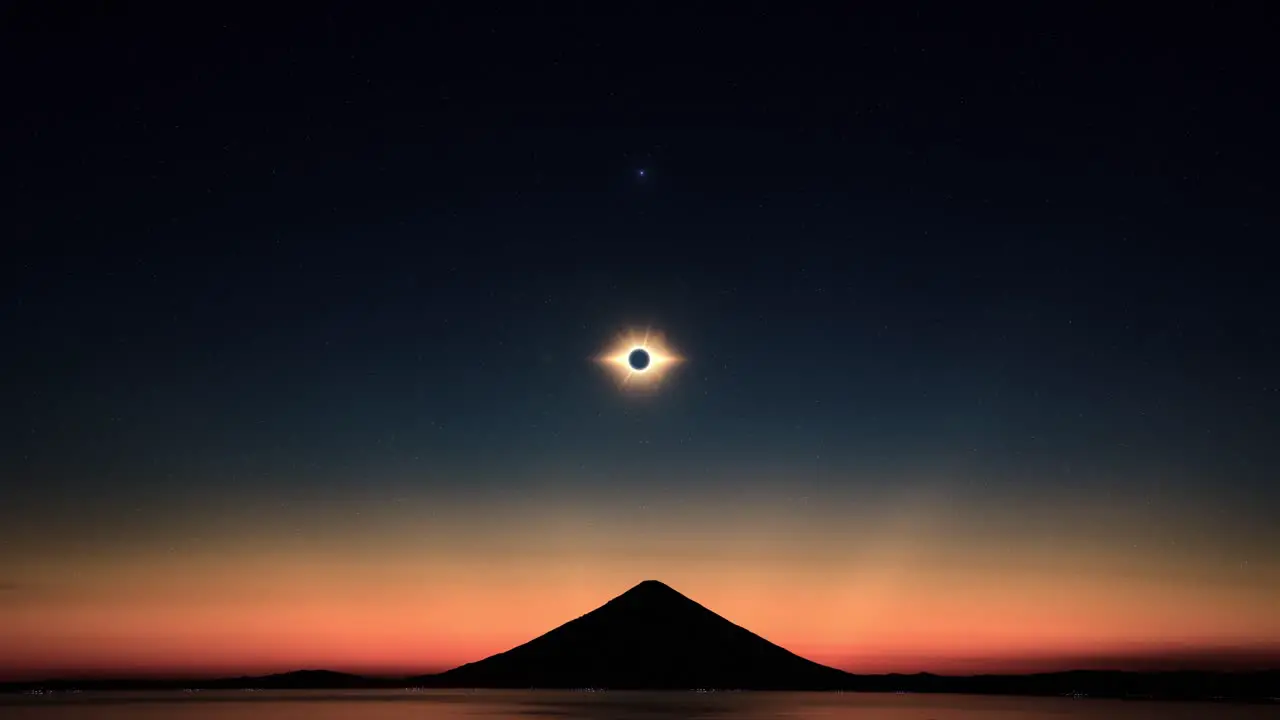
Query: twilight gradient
(927, 577)
(979, 362)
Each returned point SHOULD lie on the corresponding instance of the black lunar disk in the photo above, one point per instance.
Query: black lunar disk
(638, 359)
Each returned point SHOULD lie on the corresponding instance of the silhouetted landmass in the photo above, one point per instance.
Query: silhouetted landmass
(298, 680)
(650, 637)
(1190, 685)
(653, 638)
(301, 680)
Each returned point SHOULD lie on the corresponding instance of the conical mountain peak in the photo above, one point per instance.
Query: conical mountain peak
(654, 589)
(650, 636)
(651, 585)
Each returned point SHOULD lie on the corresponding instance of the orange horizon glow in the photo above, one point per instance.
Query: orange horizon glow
(421, 587)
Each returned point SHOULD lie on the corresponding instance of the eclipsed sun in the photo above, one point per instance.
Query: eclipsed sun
(639, 359)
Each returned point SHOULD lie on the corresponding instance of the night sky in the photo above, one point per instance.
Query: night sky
(299, 314)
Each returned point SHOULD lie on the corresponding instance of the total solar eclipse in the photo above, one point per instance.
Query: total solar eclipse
(639, 359)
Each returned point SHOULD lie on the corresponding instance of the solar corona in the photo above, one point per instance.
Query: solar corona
(639, 359)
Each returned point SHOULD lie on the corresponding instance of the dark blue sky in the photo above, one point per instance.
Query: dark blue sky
(287, 254)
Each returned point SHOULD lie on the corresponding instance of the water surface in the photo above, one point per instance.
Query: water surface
(550, 705)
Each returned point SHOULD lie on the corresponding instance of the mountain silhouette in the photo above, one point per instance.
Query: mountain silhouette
(650, 637)
(653, 638)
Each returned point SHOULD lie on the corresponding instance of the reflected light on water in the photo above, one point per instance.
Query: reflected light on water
(516, 705)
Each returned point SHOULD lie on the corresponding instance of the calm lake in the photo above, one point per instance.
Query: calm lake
(446, 705)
